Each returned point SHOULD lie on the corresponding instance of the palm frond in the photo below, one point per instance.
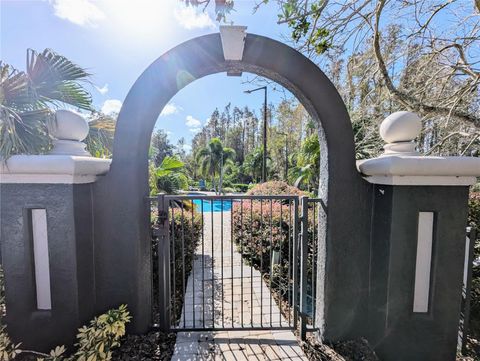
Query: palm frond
(55, 79)
(15, 91)
(23, 133)
(27, 97)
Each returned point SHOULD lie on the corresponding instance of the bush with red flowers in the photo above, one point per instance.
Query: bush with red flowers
(263, 233)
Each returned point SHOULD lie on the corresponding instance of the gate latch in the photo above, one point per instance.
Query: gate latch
(162, 217)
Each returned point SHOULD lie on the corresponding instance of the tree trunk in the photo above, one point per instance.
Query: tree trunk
(220, 182)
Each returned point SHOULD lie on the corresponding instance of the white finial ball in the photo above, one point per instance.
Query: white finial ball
(69, 126)
(400, 127)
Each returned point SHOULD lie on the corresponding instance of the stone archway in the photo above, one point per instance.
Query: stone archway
(122, 240)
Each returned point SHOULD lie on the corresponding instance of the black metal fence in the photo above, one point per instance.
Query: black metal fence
(235, 262)
(245, 262)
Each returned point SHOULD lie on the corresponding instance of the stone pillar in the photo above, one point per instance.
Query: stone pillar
(417, 245)
(47, 238)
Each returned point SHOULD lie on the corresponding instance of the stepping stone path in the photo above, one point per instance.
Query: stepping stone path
(242, 297)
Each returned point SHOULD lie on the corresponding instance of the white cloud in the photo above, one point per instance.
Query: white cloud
(103, 90)
(194, 125)
(111, 106)
(192, 18)
(169, 109)
(191, 122)
(80, 12)
(187, 148)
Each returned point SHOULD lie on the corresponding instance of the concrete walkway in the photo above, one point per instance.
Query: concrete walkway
(235, 295)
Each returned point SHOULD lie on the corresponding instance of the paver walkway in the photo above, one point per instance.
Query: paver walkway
(240, 295)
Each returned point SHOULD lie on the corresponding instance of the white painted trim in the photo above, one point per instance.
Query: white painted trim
(423, 263)
(419, 170)
(467, 261)
(41, 259)
(46, 178)
(233, 41)
(405, 180)
(66, 169)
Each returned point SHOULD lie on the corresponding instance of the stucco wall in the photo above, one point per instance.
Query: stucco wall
(70, 248)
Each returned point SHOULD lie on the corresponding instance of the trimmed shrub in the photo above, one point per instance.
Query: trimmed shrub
(275, 188)
(183, 225)
(189, 227)
(474, 221)
(240, 187)
(474, 210)
(266, 227)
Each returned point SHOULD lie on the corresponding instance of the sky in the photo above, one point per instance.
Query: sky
(115, 40)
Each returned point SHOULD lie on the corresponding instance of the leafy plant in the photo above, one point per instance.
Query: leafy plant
(94, 342)
(26, 100)
(169, 177)
(8, 350)
(100, 137)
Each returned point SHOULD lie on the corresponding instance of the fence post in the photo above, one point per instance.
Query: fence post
(465, 323)
(163, 253)
(303, 266)
(295, 262)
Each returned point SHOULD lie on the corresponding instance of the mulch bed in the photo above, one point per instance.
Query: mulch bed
(153, 346)
(355, 350)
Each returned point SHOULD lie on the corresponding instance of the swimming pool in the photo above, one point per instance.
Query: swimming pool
(215, 205)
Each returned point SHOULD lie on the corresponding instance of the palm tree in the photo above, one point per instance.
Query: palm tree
(308, 164)
(253, 164)
(212, 160)
(26, 99)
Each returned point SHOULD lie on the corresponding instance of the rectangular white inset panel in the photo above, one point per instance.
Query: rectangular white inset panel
(424, 261)
(40, 259)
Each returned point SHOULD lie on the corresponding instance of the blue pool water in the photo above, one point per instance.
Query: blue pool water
(215, 205)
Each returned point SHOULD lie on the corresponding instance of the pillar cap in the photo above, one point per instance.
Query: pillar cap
(69, 130)
(399, 131)
(401, 164)
(65, 169)
(400, 127)
(418, 170)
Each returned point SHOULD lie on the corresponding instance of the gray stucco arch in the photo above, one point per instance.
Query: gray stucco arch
(122, 240)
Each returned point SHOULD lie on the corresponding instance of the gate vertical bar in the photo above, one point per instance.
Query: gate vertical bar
(303, 267)
(163, 264)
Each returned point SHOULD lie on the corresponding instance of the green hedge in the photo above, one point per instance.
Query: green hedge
(265, 227)
(275, 188)
(191, 229)
(240, 187)
(474, 221)
(181, 225)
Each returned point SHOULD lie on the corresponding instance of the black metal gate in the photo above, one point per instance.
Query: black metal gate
(232, 262)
